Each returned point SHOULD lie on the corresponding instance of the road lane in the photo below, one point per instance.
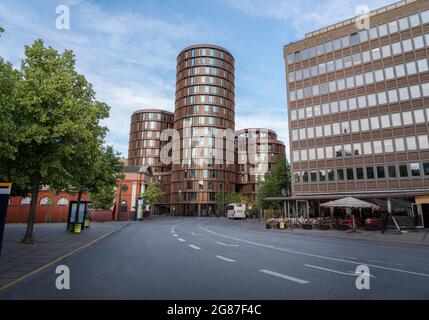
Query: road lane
(145, 261)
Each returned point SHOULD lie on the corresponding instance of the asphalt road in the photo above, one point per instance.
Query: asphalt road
(196, 258)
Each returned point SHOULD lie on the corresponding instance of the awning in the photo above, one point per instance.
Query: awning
(397, 204)
(349, 202)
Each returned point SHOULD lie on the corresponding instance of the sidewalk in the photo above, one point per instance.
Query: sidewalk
(52, 242)
(419, 237)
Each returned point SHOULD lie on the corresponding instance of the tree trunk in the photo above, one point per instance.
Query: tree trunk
(28, 237)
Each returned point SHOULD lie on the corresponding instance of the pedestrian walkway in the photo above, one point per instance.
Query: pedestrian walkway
(52, 242)
(420, 237)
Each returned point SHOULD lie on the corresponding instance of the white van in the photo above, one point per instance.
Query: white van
(236, 211)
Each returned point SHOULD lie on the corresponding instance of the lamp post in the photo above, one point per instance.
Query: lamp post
(180, 199)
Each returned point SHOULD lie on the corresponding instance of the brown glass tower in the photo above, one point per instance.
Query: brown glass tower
(205, 109)
(257, 151)
(358, 110)
(145, 147)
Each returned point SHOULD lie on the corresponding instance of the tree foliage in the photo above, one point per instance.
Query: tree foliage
(56, 138)
(224, 198)
(273, 184)
(8, 98)
(104, 198)
(153, 193)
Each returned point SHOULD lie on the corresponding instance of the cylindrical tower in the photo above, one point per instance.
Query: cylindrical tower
(257, 151)
(145, 148)
(145, 131)
(205, 119)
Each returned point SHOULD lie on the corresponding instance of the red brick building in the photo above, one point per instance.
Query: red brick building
(51, 207)
(133, 185)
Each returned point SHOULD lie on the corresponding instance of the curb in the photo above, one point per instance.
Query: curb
(339, 237)
(56, 260)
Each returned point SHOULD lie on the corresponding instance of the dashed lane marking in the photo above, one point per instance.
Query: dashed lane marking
(283, 276)
(194, 247)
(226, 259)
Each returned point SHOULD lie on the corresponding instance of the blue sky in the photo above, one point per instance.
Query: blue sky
(127, 49)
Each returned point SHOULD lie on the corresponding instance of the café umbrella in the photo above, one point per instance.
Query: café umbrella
(350, 203)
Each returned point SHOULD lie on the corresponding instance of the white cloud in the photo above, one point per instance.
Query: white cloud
(305, 16)
(129, 58)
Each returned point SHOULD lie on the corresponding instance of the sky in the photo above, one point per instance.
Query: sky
(127, 49)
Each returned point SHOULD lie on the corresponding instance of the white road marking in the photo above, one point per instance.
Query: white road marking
(312, 255)
(175, 235)
(333, 271)
(226, 259)
(283, 276)
(194, 247)
(181, 240)
(227, 245)
(196, 234)
(392, 264)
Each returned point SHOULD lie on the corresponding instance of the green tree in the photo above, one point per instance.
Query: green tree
(104, 198)
(224, 198)
(274, 183)
(153, 193)
(94, 168)
(1, 30)
(8, 98)
(57, 111)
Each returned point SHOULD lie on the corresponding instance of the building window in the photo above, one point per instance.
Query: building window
(357, 149)
(375, 123)
(399, 144)
(388, 145)
(415, 169)
(370, 173)
(305, 176)
(62, 202)
(423, 141)
(377, 147)
(367, 149)
(331, 174)
(411, 143)
(380, 173)
(296, 177)
(359, 173)
(391, 171)
(25, 201)
(313, 176)
(322, 175)
(403, 170)
(426, 168)
(350, 175)
(45, 201)
(340, 174)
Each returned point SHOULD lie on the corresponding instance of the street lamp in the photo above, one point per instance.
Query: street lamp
(180, 199)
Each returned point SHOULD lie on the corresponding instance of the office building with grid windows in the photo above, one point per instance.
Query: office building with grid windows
(358, 105)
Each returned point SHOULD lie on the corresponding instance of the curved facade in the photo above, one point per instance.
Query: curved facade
(257, 152)
(145, 145)
(204, 108)
(145, 148)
